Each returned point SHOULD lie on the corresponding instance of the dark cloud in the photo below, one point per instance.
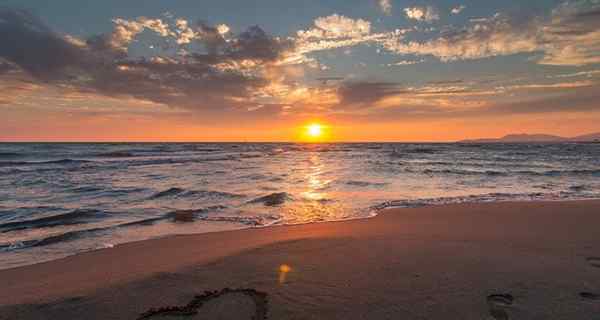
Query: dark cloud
(198, 81)
(254, 44)
(593, 14)
(432, 102)
(576, 100)
(457, 81)
(364, 94)
(32, 46)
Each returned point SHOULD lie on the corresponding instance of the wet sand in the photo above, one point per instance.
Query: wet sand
(528, 260)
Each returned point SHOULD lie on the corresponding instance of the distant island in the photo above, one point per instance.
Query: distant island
(593, 137)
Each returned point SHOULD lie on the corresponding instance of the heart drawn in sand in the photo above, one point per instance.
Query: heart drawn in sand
(224, 304)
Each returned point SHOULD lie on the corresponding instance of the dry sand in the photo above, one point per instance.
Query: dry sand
(529, 260)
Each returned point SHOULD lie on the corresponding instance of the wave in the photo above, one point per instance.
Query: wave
(403, 153)
(116, 154)
(8, 214)
(212, 194)
(254, 176)
(273, 199)
(579, 188)
(9, 155)
(85, 189)
(67, 236)
(553, 173)
(185, 215)
(359, 183)
(179, 192)
(465, 172)
(10, 171)
(487, 197)
(207, 149)
(77, 234)
(161, 161)
(79, 216)
(166, 193)
(548, 173)
(253, 221)
(34, 163)
(421, 150)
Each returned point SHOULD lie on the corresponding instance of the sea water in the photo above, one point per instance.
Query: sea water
(61, 199)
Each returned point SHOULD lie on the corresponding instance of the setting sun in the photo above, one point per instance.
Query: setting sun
(314, 130)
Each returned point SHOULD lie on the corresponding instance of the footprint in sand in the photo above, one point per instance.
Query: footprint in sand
(234, 304)
(498, 303)
(594, 261)
(589, 296)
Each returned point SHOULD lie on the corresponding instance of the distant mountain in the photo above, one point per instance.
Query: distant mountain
(593, 137)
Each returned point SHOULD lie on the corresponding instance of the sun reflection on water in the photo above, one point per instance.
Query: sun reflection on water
(316, 184)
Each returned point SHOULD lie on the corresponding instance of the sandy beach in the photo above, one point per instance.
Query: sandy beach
(519, 260)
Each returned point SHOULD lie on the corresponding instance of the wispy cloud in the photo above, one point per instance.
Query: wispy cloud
(385, 6)
(498, 36)
(560, 85)
(570, 36)
(589, 74)
(426, 14)
(338, 31)
(458, 9)
(405, 63)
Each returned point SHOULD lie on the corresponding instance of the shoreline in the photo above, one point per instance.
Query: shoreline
(373, 211)
(97, 274)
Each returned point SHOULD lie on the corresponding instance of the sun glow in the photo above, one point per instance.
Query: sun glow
(314, 130)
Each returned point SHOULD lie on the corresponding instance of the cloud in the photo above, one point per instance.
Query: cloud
(494, 37)
(365, 94)
(337, 31)
(371, 95)
(185, 34)
(385, 6)
(125, 31)
(197, 80)
(578, 99)
(211, 70)
(560, 85)
(442, 98)
(426, 14)
(336, 26)
(474, 104)
(570, 36)
(589, 74)
(458, 9)
(405, 63)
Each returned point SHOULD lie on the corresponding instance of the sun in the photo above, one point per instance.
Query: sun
(314, 130)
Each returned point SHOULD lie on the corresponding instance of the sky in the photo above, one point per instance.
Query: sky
(233, 70)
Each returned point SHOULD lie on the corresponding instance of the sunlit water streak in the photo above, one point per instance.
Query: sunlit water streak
(60, 199)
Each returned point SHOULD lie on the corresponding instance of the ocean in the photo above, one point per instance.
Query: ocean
(59, 199)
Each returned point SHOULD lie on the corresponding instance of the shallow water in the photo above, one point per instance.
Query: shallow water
(60, 199)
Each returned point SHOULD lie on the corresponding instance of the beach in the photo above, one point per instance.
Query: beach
(503, 260)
